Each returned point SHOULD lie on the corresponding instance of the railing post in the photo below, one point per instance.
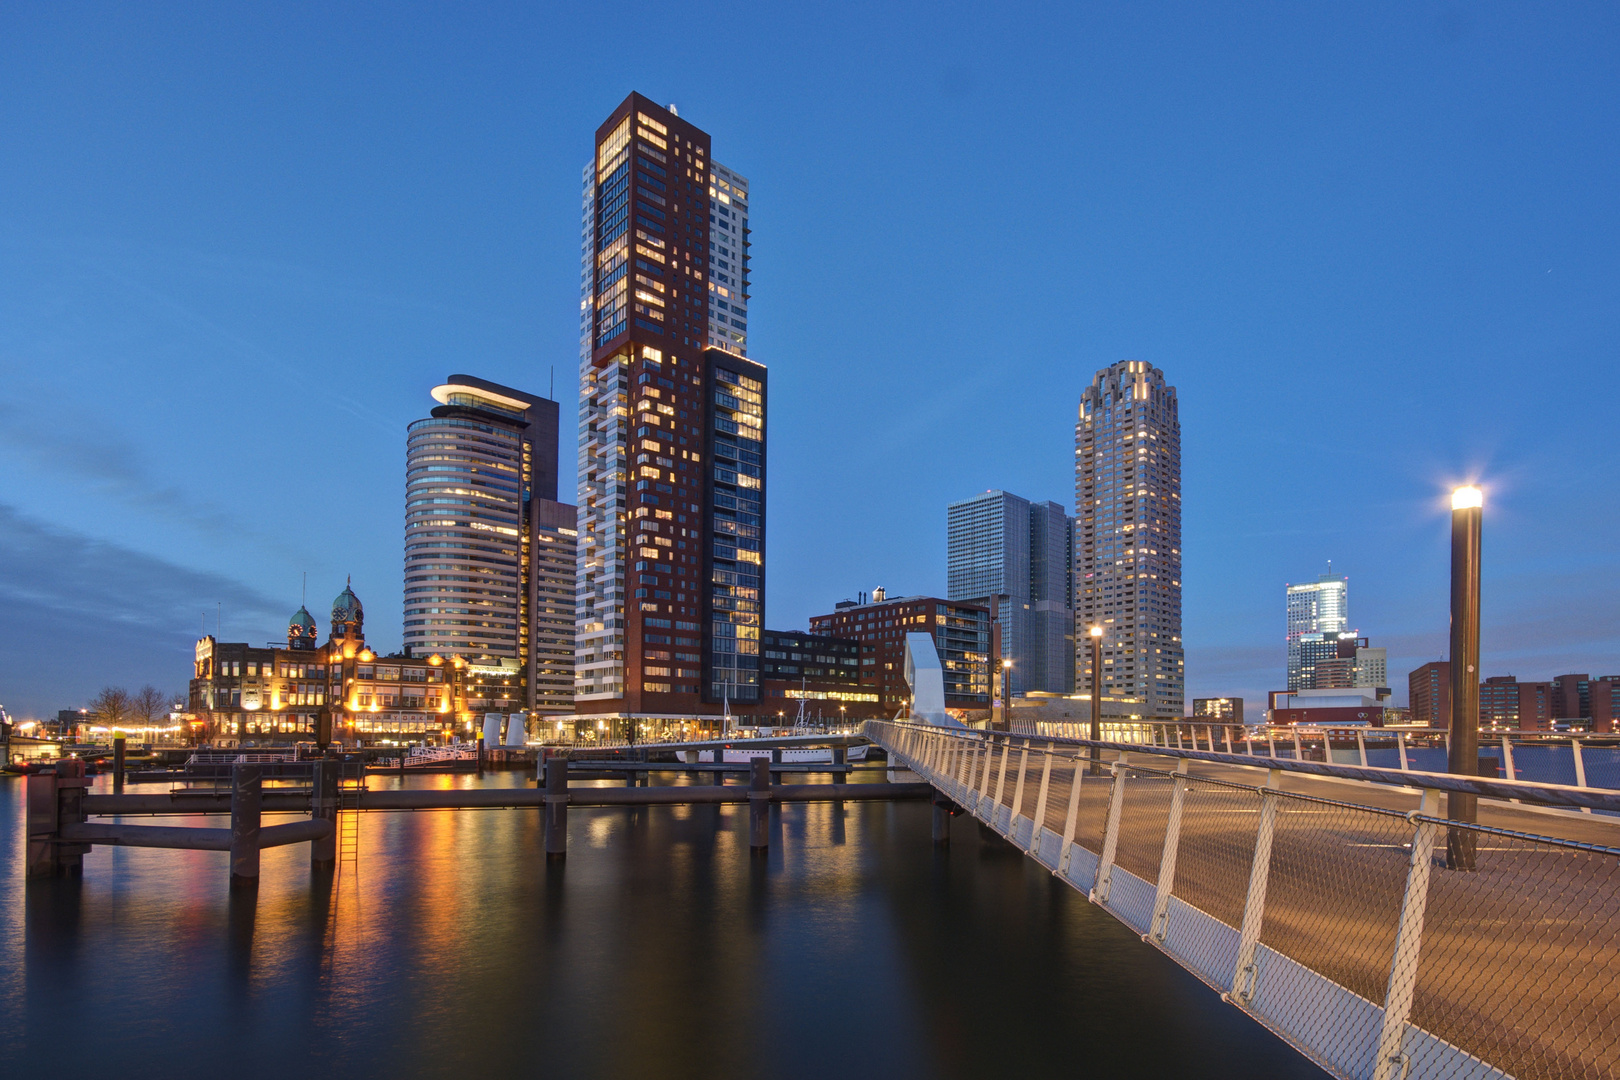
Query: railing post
(1271, 739)
(1105, 864)
(557, 807)
(1071, 820)
(1018, 788)
(247, 785)
(1226, 733)
(1400, 741)
(1167, 858)
(1392, 1062)
(1254, 902)
(1039, 821)
(1001, 780)
(1507, 760)
(1361, 746)
(1580, 769)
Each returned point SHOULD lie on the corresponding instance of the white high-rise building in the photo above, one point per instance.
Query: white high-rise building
(1127, 508)
(1319, 607)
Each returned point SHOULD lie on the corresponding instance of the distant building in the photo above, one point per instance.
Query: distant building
(961, 635)
(1318, 612)
(551, 607)
(1219, 708)
(1127, 506)
(1349, 707)
(1507, 704)
(1429, 694)
(819, 669)
(1018, 559)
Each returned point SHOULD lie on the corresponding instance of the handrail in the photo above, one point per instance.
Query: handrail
(1522, 790)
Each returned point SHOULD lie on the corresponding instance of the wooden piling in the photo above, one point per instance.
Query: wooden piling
(942, 820)
(247, 785)
(118, 763)
(759, 806)
(556, 809)
(323, 806)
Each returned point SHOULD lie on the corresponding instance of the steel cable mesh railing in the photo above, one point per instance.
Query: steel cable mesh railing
(1218, 828)
(1334, 895)
(1519, 958)
(1348, 936)
(1144, 811)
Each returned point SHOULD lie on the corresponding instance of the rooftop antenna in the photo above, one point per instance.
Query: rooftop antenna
(304, 600)
(219, 615)
(553, 393)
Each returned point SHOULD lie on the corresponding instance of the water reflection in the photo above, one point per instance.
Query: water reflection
(660, 947)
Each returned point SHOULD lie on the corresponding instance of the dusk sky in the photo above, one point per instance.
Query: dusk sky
(1376, 249)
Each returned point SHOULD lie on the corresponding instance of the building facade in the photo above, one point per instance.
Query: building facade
(1429, 694)
(1229, 709)
(670, 586)
(961, 633)
(1017, 558)
(1127, 503)
(1318, 611)
(1506, 704)
(484, 546)
(818, 670)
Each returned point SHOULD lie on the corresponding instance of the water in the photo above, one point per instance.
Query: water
(661, 948)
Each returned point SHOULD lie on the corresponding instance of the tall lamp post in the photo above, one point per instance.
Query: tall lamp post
(1096, 694)
(1467, 510)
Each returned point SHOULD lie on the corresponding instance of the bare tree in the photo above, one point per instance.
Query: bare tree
(111, 707)
(149, 704)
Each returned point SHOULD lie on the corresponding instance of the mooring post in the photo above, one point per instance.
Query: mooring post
(480, 755)
(247, 785)
(323, 806)
(840, 761)
(118, 763)
(55, 799)
(776, 759)
(942, 819)
(759, 806)
(556, 808)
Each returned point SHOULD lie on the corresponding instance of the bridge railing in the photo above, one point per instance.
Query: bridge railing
(1381, 944)
(1575, 759)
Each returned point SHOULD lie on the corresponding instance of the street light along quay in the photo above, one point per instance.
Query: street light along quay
(1467, 510)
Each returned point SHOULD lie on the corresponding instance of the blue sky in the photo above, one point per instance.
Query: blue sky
(1373, 246)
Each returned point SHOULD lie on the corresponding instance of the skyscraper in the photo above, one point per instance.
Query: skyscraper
(1002, 548)
(1127, 500)
(482, 546)
(670, 586)
(1320, 607)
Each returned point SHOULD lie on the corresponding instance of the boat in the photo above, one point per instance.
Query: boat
(791, 755)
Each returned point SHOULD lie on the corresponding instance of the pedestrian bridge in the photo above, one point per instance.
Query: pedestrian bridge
(1317, 898)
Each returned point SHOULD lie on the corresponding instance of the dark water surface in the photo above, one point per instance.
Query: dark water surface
(661, 948)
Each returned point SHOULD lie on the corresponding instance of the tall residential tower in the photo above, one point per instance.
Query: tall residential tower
(670, 587)
(1127, 506)
(1318, 616)
(487, 546)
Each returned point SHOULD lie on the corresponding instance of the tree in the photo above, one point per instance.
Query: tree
(149, 705)
(111, 707)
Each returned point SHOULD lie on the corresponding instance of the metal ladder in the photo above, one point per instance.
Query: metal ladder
(351, 786)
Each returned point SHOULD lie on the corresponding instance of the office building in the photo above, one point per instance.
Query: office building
(961, 633)
(1429, 694)
(1017, 558)
(1318, 612)
(1127, 505)
(485, 546)
(820, 670)
(1506, 704)
(1229, 709)
(670, 587)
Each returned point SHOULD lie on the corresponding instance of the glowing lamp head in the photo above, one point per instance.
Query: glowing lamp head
(1096, 631)
(1467, 497)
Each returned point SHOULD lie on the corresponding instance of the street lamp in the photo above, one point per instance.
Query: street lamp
(1467, 512)
(1096, 694)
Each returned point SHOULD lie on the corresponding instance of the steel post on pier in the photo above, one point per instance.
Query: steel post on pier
(323, 806)
(556, 809)
(118, 764)
(480, 755)
(55, 800)
(759, 806)
(247, 785)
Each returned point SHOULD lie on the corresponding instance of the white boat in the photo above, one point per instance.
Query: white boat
(791, 755)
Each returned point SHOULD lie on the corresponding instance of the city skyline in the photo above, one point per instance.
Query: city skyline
(226, 320)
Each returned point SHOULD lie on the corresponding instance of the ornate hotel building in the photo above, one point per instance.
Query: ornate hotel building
(1127, 508)
(671, 571)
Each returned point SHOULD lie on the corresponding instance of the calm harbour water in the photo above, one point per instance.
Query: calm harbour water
(660, 948)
